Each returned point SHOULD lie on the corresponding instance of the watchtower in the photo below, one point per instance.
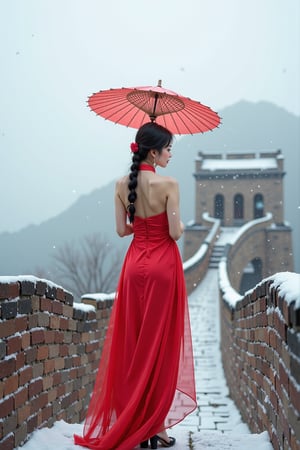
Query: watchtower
(238, 188)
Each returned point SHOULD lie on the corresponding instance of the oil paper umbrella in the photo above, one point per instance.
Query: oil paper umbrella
(135, 106)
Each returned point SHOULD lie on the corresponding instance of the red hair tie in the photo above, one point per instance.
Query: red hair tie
(134, 147)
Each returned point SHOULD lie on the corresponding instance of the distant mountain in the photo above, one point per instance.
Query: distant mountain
(245, 126)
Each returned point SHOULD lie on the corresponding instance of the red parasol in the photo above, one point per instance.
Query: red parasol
(133, 107)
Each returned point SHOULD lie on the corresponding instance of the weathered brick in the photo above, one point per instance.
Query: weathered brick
(54, 350)
(9, 309)
(42, 352)
(20, 397)
(51, 292)
(10, 424)
(76, 361)
(68, 338)
(20, 434)
(35, 387)
(7, 367)
(27, 287)
(20, 360)
(48, 366)
(25, 340)
(49, 336)
(57, 307)
(9, 290)
(37, 370)
(7, 407)
(56, 378)
(23, 413)
(14, 344)
(25, 375)
(30, 354)
(69, 298)
(47, 382)
(35, 303)
(52, 395)
(58, 336)
(46, 304)
(38, 402)
(37, 337)
(60, 294)
(43, 320)
(68, 362)
(72, 324)
(21, 323)
(54, 322)
(24, 306)
(47, 413)
(11, 384)
(59, 363)
(32, 423)
(41, 287)
(61, 389)
(33, 320)
(63, 323)
(78, 314)
(63, 350)
(283, 376)
(68, 311)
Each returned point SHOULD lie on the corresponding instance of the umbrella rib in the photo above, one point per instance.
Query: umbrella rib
(195, 118)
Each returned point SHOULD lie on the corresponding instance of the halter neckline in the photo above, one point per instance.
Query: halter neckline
(144, 166)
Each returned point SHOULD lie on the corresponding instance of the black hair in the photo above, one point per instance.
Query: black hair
(150, 136)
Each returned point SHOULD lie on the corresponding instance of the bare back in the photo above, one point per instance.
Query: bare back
(155, 194)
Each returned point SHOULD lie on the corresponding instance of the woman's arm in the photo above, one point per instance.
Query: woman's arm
(176, 227)
(122, 227)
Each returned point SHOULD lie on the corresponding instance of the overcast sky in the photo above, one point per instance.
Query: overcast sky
(55, 53)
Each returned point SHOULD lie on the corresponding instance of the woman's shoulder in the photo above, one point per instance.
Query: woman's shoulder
(122, 181)
(167, 180)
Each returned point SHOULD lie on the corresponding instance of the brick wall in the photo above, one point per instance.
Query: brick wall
(260, 341)
(260, 239)
(195, 267)
(49, 354)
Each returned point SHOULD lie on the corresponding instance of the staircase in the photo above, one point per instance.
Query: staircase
(216, 255)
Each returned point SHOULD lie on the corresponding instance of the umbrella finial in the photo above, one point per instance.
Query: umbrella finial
(159, 83)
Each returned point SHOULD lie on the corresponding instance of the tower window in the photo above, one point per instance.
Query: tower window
(238, 206)
(258, 206)
(219, 206)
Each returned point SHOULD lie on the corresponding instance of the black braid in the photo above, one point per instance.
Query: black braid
(132, 196)
(149, 136)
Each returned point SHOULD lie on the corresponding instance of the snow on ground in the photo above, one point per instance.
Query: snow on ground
(60, 437)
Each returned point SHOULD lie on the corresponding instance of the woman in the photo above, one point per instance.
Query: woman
(145, 383)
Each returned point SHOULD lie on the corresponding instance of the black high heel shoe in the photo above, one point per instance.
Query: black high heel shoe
(154, 440)
(163, 442)
(153, 443)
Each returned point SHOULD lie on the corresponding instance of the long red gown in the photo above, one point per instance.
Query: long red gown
(145, 381)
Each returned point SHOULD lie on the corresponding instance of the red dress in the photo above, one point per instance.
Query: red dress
(146, 373)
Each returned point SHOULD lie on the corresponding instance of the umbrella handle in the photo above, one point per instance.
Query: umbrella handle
(153, 116)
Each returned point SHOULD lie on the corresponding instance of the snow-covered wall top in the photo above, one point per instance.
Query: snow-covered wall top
(261, 356)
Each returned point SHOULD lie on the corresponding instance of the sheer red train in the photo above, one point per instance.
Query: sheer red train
(145, 381)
